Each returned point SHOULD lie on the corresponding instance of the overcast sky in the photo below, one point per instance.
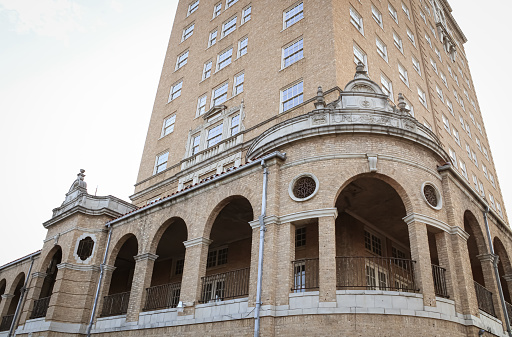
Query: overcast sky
(77, 84)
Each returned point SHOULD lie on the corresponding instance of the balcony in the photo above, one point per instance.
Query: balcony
(484, 299)
(116, 304)
(439, 275)
(375, 273)
(225, 286)
(162, 296)
(305, 275)
(6, 322)
(40, 307)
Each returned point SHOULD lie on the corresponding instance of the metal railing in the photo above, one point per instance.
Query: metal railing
(484, 299)
(162, 296)
(509, 310)
(224, 286)
(375, 273)
(116, 304)
(439, 275)
(40, 307)
(6, 322)
(305, 275)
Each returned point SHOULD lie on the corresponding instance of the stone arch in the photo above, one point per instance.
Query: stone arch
(15, 290)
(48, 258)
(115, 249)
(476, 246)
(404, 196)
(472, 226)
(17, 279)
(504, 268)
(3, 287)
(161, 230)
(53, 259)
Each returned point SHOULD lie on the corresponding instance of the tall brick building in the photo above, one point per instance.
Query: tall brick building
(344, 135)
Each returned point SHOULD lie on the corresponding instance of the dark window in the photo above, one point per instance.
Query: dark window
(85, 247)
(179, 267)
(300, 237)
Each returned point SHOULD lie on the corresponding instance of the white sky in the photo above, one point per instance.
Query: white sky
(77, 84)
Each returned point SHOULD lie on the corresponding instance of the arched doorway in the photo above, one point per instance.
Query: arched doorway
(7, 319)
(116, 302)
(372, 240)
(41, 304)
(505, 273)
(229, 253)
(165, 288)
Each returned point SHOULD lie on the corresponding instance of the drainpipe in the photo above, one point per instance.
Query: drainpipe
(496, 272)
(20, 302)
(102, 270)
(260, 255)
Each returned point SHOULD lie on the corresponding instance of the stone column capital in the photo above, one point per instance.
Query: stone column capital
(197, 241)
(493, 258)
(107, 267)
(507, 277)
(39, 275)
(5, 296)
(145, 256)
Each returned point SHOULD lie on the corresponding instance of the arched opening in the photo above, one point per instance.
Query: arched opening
(3, 285)
(41, 304)
(116, 302)
(477, 247)
(165, 288)
(505, 273)
(372, 240)
(434, 235)
(229, 254)
(16, 291)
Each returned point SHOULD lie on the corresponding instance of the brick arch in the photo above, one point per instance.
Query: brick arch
(49, 256)
(471, 221)
(216, 211)
(501, 251)
(161, 230)
(117, 247)
(3, 287)
(14, 284)
(402, 193)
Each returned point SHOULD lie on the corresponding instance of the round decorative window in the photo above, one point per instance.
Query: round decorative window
(431, 195)
(303, 187)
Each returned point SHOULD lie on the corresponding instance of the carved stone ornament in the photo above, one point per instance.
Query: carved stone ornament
(303, 187)
(431, 195)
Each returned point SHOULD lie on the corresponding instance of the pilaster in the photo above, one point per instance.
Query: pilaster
(141, 280)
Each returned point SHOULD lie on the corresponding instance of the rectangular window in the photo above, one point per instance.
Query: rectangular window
(423, 17)
(201, 105)
(216, 9)
(456, 135)
(207, 69)
(161, 162)
(377, 16)
(463, 169)
(406, 11)
(475, 181)
(175, 91)
(402, 72)
(428, 40)
(242, 46)
(220, 94)
(410, 35)
(456, 78)
(293, 53)
(461, 120)
(293, 15)
(215, 135)
(479, 127)
(193, 7)
(182, 60)
(440, 93)
(229, 26)
(468, 150)
(474, 157)
(484, 168)
(491, 199)
(178, 269)
(422, 97)
(398, 42)
(230, 3)
(168, 126)
(450, 106)
(438, 53)
(432, 30)
(382, 50)
(387, 86)
(481, 187)
(235, 125)
(356, 20)
(217, 257)
(300, 237)
(491, 177)
(195, 144)
(468, 130)
(246, 14)
(187, 32)
(359, 56)
(416, 65)
(409, 107)
(446, 123)
(478, 144)
(393, 13)
(485, 153)
(433, 64)
(453, 156)
(292, 96)
(224, 59)
(213, 38)
(238, 86)
(498, 207)
(443, 78)
(373, 243)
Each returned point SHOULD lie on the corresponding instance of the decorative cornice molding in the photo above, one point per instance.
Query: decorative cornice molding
(4, 296)
(39, 275)
(77, 267)
(293, 217)
(456, 230)
(146, 256)
(488, 257)
(107, 267)
(196, 242)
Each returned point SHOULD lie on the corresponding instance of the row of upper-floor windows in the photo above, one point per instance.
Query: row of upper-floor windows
(217, 8)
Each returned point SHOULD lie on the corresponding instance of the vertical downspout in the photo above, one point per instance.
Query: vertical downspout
(20, 301)
(496, 272)
(102, 269)
(260, 255)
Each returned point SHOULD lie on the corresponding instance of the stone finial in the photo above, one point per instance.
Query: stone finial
(79, 181)
(360, 71)
(402, 105)
(320, 101)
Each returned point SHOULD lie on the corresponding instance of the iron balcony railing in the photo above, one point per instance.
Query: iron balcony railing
(305, 275)
(163, 296)
(375, 273)
(484, 299)
(224, 286)
(509, 311)
(116, 304)
(6, 322)
(439, 275)
(40, 307)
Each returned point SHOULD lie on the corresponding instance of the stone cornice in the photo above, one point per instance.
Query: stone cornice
(487, 257)
(197, 241)
(455, 230)
(293, 217)
(39, 275)
(4, 296)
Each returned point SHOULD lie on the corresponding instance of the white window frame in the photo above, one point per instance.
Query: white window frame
(212, 38)
(357, 20)
(416, 65)
(393, 13)
(456, 135)
(446, 123)
(224, 59)
(296, 49)
(453, 156)
(463, 169)
(234, 125)
(224, 92)
(386, 85)
(411, 37)
(397, 41)
(422, 97)
(182, 60)
(175, 91)
(207, 69)
(242, 50)
(238, 83)
(359, 55)
(246, 14)
(377, 16)
(230, 3)
(217, 9)
(161, 161)
(382, 49)
(298, 14)
(187, 32)
(229, 26)
(406, 11)
(429, 41)
(201, 105)
(196, 144)
(214, 135)
(433, 64)
(299, 95)
(402, 73)
(192, 7)
(168, 125)
(440, 93)
(450, 106)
